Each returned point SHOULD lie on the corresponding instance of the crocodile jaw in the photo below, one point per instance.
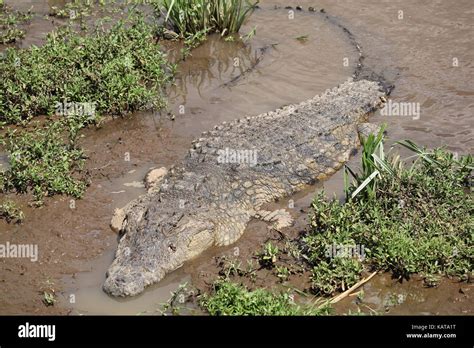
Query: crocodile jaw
(144, 258)
(129, 281)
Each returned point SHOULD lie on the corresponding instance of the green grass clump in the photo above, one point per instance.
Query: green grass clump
(121, 70)
(76, 9)
(10, 212)
(9, 21)
(229, 298)
(43, 161)
(268, 256)
(193, 16)
(417, 219)
(339, 274)
(82, 11)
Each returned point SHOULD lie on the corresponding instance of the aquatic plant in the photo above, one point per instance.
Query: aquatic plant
(373, 157)
(192, 16)
(192, 41)
(229, 298)
(415, 219)
(120, 70)
(80, 10)
(9, 21)
(269, 255)
(76, 78)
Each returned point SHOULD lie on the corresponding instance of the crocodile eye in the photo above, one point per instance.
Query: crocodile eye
(172, 247)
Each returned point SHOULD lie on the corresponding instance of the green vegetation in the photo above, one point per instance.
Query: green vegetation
(193, 16)
(72, 10)
(331, 275)
(74, 79)
(233, 267)
(9, 21)
(373, 158)
(76, 8)
(49, 299)
(192, 41)
(405, 217)
(49, 293)
(416, 219)
(229, 298)
(43, 160)
(82, 11)
(269, 255)
(120, 70)
(302, 38)
(10, 212)
(283, 273)
(176, 302)
(250, 35)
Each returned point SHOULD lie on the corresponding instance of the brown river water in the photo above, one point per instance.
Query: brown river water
(427, 54)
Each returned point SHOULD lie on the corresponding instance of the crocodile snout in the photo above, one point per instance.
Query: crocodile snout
(125, 281)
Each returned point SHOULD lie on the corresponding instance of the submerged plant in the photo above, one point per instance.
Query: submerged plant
(302, 38)
(192, 41)
(250, 35)
(49, 298)
(9, 21)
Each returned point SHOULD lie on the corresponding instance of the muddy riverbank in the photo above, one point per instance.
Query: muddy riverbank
(415, 52)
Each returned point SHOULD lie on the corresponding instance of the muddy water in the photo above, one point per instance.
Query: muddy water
(88, 299)
(418, 53)
(215, 85)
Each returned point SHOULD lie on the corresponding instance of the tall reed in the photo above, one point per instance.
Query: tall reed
(192, 16)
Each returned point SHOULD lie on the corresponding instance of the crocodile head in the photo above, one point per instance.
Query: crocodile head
(152, 248)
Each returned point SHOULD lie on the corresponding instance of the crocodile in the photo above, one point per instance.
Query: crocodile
(207, 199)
